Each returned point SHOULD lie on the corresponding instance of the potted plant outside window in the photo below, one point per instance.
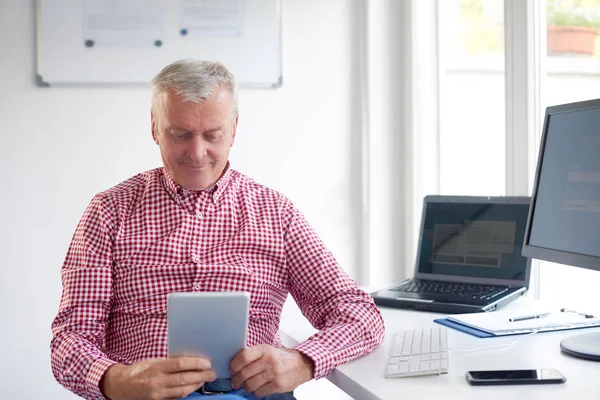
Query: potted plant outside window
(572, 27)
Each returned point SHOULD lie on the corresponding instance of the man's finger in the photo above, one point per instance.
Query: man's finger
(267, 389)
(247, 372)
(178, 364)
(187, 378)
(245, 357)
(257, 382)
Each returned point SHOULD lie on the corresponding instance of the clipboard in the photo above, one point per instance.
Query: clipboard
(463, 328)
(493, 325)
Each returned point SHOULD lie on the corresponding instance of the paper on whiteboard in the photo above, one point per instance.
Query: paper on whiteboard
(123, 23)
(211, 18)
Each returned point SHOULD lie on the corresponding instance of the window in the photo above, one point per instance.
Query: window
(572, 74)
(471, 97)
(573, 51)
(473, 80)
(472, 131)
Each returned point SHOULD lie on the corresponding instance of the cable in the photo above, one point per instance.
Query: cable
(509, 345)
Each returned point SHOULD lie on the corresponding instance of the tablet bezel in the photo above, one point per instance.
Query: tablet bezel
(213, 325)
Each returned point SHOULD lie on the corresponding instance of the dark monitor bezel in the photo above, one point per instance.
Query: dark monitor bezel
(543, 253)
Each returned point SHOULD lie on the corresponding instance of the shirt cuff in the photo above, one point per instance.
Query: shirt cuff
(94, 376)
(321, 356)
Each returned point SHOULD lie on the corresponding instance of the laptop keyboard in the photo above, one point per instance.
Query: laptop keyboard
(451, 288)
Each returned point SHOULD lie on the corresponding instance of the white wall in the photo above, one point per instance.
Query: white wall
(61, 146)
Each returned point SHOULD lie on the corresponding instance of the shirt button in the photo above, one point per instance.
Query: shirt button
(197, 286)
(195, 258)
(215, 197)
(199, 214)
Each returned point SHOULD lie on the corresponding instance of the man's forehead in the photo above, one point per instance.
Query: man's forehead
(183, 127)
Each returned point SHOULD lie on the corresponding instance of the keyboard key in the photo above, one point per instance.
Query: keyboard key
(435, 341)
(407, 345)
(416, 348)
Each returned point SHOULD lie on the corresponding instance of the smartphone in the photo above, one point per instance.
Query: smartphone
(515, 377)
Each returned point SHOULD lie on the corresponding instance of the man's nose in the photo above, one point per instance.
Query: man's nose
(197, 148)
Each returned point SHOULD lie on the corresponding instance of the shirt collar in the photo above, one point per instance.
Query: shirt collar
(176, 191)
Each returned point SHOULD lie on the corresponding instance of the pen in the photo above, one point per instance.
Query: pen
(577, 312)
(526, 317)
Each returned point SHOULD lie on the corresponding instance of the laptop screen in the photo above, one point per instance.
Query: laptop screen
(480, 240)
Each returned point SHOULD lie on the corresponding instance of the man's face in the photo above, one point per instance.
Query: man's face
(194, 139)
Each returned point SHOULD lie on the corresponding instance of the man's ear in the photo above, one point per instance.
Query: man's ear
(234, 130)
(154, 127)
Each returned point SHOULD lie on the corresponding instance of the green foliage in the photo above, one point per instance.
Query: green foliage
(585, 13)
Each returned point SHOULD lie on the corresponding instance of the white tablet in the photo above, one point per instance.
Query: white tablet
(213, 325)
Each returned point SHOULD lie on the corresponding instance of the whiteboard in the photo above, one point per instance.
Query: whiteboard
(102, 42)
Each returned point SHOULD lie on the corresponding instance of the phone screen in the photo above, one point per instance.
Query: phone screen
(518, 376)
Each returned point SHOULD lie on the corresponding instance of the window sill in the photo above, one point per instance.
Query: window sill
(555, 65)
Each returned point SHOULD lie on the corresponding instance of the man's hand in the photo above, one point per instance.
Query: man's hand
(156, 379)
(264, 370)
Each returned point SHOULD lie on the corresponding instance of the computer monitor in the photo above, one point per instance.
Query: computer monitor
(564, 217)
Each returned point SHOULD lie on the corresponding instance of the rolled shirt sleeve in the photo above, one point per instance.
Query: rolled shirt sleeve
(78, 362)
(349, 323)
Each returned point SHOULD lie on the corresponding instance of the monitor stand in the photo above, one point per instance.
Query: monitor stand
(582, 346)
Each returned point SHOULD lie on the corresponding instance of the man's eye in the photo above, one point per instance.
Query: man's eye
(181, 135)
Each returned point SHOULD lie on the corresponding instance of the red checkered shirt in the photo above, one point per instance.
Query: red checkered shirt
(147, 237)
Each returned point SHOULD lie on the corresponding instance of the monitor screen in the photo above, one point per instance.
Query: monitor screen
(564, 224)
(480, 240)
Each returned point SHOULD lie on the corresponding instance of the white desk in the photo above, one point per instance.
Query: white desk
(363, 377)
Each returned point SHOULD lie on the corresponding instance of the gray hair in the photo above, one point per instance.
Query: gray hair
(196, 81)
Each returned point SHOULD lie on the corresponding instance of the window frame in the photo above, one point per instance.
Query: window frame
(524, 70)
(524, 67)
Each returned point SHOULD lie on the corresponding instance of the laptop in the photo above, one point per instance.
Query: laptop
(469, 256)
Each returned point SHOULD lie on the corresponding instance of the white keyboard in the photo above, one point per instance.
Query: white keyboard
(418, 352)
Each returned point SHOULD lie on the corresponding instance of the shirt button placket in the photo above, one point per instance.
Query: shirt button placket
(196, 260)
